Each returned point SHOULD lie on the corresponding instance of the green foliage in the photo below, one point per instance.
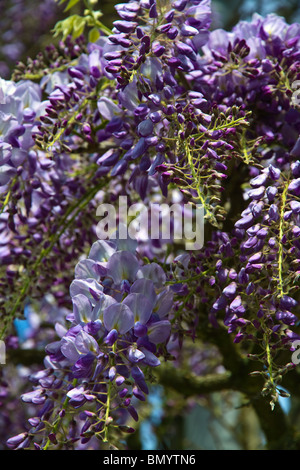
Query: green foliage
(71, 3)
(75, 25)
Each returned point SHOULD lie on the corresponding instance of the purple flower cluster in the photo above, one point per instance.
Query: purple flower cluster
(20, 108)
(254, 66)
(117, 328)
(173, 34)
(161, 104)
(268, 239)
(136, 114)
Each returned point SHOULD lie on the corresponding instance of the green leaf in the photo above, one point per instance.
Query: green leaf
(71, 4)
(73, 25)
(78, 26)
(94, 34)
(63, 27)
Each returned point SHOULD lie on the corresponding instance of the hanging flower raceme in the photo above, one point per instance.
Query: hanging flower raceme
(20, 108)
(159, 104)
(117, 331)
(171, 32)
(262, 297)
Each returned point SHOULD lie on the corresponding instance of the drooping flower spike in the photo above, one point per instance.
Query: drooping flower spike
(113, 337)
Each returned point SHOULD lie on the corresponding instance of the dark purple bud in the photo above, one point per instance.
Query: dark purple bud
(86, 128)
(179, 4)
(172, 33)
(120, 40)
(138, 394)
(139, 32)
(169, 79)
(140, 330)
(257, 209)
(271, 193)
(273, 213)
(125, 26)
(112, 337)
(123, 392)
(187, 30)
(296, 231)
(83, 367)
(295, 206)
(133, 412)
(109, 158)
(113, 55)
(34, 421)
(250, 288)
(155, 116)
(238, 338)
(287, 302)
(256, 193)
(145, 128)
(237, 306)
(75, 73)
(262, 233)
(222, 275)
(255, 258)
(127, 15)
(259, 180)
(164, 28)
(126, 429)
(253, 230)
(37, 397)
(52, 437)
(230, 290)
(174, 62)
(139, 379)
(286, 317)
(245, 222)
(146, 41)
(296, 151)
(158, 50)
(296, 168)
(294, 187)
(243, 277)
(272, 242)
(169, 15)
(139, 149)
(186, 50)
(112, 69)
(153, 11)
(168, 92)
(220, 303)
(260, 313)
(112, 373)
(250, 243)
(29, 115)
(274, 173)
(119, 168)
(119, 380)
(15, 441)
(170, 110)
(220, 166)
